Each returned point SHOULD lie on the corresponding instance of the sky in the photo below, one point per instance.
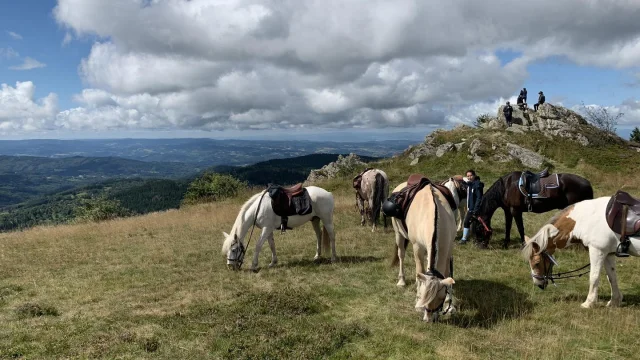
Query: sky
(315, 69)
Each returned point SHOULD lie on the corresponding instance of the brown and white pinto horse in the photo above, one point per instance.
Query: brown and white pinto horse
(583, 223)
(431, 228)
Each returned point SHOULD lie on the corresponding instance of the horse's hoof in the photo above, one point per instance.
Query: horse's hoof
(612, 303)
(587, 305)
(401, 283)
(333, 260)
(273, 264)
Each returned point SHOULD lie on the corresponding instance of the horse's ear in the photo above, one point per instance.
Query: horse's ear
(448, 281)
(527, 239)
(421, 277)
(536, 248)
(225, 234)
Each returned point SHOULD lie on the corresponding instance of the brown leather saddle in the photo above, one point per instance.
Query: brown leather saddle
(357, 180)
(623, 213)
(289, 201)
(399, 202)
(623, 217)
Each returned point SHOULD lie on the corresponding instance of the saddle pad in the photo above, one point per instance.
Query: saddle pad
(546, 187)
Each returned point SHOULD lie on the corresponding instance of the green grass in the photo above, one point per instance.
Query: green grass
(156, 286)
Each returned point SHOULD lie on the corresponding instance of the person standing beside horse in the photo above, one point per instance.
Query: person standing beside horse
(474, 198)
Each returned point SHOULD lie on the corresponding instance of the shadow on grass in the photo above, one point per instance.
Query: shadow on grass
(632, 299)
(483, 303)
(327, 261)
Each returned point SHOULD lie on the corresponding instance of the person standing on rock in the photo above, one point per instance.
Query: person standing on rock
(474, 197)
(523, 93)
(508, 113)
(540, 101)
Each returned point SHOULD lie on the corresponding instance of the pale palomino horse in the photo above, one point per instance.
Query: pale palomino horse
(431, 229)
(583, 223)
(457, 185)
(265, 218)
(373, 191)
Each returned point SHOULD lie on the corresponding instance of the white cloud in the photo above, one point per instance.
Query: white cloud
(238, 64)
(14, 35)
(67, 39)
(19, 111)
(8, 53)
(28, 64)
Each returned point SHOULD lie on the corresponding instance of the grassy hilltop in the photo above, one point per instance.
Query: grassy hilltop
(156, 286)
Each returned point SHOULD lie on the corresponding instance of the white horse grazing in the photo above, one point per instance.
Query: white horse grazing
(581, 223)
(372, 192)
(432, 231)
(457, 185)
(266, 219)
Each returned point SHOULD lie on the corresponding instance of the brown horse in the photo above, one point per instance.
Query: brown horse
(505, 194)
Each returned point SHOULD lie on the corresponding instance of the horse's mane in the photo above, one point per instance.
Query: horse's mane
(492, 198)
(238, 223)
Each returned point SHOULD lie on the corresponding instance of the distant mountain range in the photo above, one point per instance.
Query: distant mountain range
(29, 197)
(201, 152)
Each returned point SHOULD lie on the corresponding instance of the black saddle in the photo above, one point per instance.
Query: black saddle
(531, 181)
(289, 201)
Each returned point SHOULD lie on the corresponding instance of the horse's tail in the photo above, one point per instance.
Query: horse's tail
(378, 197)
(325, 239)
(394, 258)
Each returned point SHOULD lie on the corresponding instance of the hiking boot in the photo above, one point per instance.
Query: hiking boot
(463, 241)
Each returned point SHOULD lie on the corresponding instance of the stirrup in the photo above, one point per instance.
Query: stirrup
(622, 250)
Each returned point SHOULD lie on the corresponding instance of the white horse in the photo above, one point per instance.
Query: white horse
(266, 219)
(581, 223)
(457, 185)
(372, 192)
(432, 231)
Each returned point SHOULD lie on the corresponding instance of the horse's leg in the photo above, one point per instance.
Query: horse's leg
(272, 245)
(316, 228)
(266, 232)
(610, 268)
(332, 237)
(362, 210)
(597, 259)
(463, 213)
(508, 219)
(402, 250)
(520, 224)
(418, 255)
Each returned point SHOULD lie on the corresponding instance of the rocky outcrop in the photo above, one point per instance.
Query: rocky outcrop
(551, 120)
(344, 165)
(428, 148)
(528, 158)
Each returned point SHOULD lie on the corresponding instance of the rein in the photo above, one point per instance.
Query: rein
(243, 249)
(559, 276)
(486, 228)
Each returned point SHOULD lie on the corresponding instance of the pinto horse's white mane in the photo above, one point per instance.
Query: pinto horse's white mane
(237, 225)
(541, 238)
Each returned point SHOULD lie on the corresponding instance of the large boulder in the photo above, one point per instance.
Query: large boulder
(344, 164)
(528, 158)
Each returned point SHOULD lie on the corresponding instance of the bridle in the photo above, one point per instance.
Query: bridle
(240, 259)
(549, 276)
(487, 229)
(448, 289)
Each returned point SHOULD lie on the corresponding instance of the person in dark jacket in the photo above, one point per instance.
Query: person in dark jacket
(523, 93)
(508, 113)
(540, 101)
(520, 102)
(474, 197)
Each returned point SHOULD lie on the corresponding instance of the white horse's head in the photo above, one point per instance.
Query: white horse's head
(431, 295)
(236, 251)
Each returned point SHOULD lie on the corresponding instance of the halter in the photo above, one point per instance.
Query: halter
(557, 276)
(240, 260)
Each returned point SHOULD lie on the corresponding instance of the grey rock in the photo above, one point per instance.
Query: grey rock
(527, 157)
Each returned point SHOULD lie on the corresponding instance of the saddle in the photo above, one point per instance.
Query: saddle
(399, 202)
(357, 181)
(289, 201)
(623, 214)
(537, 185)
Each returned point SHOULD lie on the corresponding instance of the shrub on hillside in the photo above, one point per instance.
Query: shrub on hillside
(482, 119)
(213, 187)
(602, 118)
(100, 209)
(635, 135)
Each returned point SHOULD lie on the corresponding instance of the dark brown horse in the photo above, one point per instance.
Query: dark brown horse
(505, 194)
